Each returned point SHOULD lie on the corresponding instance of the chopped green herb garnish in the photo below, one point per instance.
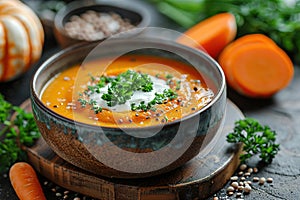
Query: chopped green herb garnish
(96, 87)
(158, 99)
(14, 133)
(142, 106)
(255, 138)
(123, 87)
(178, 85)
(169, 76)
(170, 94)
(166, 118)
(94, 106)
(169, 82)
(92, 77)
(83, 102)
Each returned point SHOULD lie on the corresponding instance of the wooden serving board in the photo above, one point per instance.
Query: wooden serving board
(199, 178)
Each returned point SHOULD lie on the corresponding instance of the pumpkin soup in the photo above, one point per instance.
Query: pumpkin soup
(131, 91)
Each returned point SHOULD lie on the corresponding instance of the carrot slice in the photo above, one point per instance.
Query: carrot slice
(256, 67)
(234, 46)
(25, 182)
(247, 39)
(266, 70)
(212, 34)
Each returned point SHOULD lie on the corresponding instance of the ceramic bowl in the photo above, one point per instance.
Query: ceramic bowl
(80, 143)
(133, 11)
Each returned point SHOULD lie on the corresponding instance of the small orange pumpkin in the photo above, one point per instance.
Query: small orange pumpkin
(21, 39)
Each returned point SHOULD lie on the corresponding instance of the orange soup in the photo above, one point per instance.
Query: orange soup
(131, 91)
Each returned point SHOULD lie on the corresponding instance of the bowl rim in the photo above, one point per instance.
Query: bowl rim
(135, 7)
(36, 98)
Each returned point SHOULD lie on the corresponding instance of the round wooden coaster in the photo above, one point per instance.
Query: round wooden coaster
(199, 178)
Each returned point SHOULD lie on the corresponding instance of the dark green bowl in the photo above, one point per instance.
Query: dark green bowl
(111, 152)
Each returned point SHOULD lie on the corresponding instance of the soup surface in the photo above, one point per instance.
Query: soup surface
(131, 91)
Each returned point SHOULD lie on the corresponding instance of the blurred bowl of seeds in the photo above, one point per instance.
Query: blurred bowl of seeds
(89, 21)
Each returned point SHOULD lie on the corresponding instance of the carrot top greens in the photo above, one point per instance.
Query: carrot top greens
(278, 19)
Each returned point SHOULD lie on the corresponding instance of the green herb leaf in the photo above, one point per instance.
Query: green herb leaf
(123, 87)
(256, 139)
(158, 99)
(21, 131)
(5, 109)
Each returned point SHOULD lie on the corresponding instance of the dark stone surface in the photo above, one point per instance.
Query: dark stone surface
(281, 113)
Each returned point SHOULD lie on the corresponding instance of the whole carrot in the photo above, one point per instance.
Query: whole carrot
(25, 182)
(212, 34)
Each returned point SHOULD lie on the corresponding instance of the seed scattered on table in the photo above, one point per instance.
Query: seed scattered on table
(262, 180)
(243, 167)
(247, 189)
(240, 188)
(247, 174)
(269, 180)
(230, 189)
(255, 170)
(230, 193)
(234, 184)
(255, 179)
(239, 194)
(250, 170)
(234, 178)
(242, 184)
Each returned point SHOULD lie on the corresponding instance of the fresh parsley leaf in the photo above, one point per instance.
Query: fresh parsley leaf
(5, 109)
(256, 139)
(15, 133)
(123, 87)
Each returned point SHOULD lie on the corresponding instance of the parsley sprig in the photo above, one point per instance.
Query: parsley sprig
(256, 139)
(14, 133)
